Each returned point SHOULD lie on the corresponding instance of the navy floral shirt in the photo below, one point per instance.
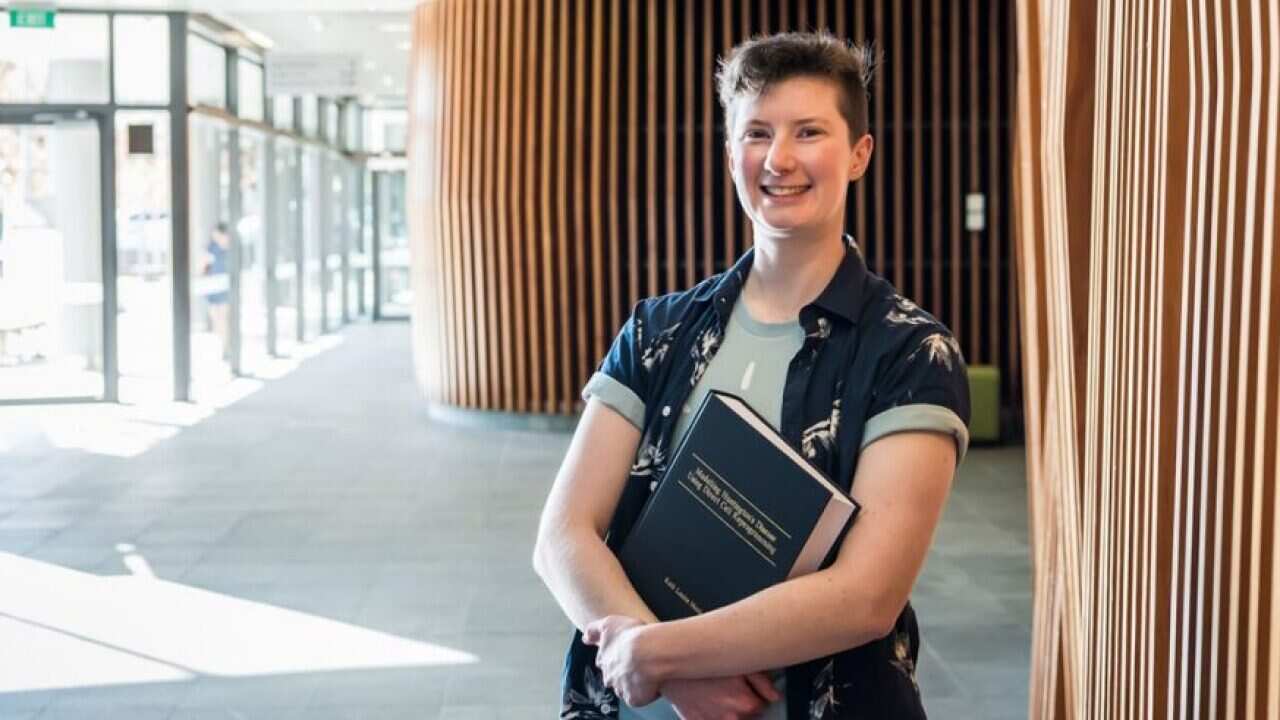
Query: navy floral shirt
(872, 363)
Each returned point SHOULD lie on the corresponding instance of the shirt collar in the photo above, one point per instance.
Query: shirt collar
(841, 297)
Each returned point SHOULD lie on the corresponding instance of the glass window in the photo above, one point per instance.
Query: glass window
(143, 239)
(385, 130)
(310, 115)
(210, 253)
(250, 90)
(51, 334)
(63, 64)
(288, 237)
(397, 291)
(352, 112)
(142, 59)
(207, 73)
(282, 111)
(331, 122)
(252, 265)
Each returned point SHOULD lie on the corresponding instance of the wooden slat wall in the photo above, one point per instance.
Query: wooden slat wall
(568, 159)
(1146, 192)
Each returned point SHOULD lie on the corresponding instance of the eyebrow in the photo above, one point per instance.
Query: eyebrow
(800, 121)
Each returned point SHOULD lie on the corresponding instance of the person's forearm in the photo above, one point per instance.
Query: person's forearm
(801, 619)
(586, 580)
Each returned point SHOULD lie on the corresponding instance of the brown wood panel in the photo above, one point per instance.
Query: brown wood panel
(632, 158)
(937, 52)
(956, 233)
(501, 201)
(917, 157)
(1150, 355)
(650, 146)
(521, 131)
(708, 135)
(564, 234)
(599, 328)
(542, 228)
(897, 136)
(612, 203)
(546, 223)
(689, 151)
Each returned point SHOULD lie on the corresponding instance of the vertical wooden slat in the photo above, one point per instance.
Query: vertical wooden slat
(936, 224)
(482, 233)
(956, 236)
(972, 339)
(669, 98)
(578, 242)
(633, 162)
(689, 152)
(466, 304)
(555, 252)
(522, 132)
(803, 19)
(546, 225)
(566, 232)
(729, 204)
(822, 17)
(456, 352)
(876, 238)
(501, 201)
(650, 145)
(708, 136)
(535, 161)
(917, 153)
(995, 232)
(616, 311)
(602, 314)
(898, 78)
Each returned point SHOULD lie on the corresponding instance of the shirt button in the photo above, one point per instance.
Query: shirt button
(666, 411)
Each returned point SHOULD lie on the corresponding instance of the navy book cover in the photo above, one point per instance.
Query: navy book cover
(739, 510)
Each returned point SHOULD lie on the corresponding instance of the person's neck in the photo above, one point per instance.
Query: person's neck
(789, 273)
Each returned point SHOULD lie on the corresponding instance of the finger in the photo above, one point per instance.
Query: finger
(591, 636)
(763, 686)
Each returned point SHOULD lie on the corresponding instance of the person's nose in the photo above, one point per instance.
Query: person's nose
(780, 160)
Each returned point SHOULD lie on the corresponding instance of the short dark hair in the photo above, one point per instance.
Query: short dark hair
(755, 65)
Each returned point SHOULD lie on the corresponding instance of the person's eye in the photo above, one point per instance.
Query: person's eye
(755, 134)
(811, 132)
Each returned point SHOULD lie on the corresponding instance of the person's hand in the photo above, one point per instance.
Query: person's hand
(622, 660)
(719, 698)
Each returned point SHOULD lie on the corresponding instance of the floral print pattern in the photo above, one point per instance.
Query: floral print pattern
(852, 371)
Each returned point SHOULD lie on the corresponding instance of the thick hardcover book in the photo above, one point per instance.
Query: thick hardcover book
(739, 510)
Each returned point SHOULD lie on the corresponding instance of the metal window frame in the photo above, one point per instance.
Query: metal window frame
(179, 110)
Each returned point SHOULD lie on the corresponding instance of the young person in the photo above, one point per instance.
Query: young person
(868, 386)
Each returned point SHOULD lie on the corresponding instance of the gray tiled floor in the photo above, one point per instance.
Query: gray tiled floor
(328, 492)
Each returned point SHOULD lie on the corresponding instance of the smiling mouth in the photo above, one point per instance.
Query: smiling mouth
(783, 190)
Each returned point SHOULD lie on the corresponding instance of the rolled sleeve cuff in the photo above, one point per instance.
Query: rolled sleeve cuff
(617, 396)
(920, 417)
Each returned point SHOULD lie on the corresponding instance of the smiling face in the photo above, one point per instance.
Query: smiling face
(792, 159)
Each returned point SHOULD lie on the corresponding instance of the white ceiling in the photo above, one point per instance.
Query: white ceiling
(364, 28)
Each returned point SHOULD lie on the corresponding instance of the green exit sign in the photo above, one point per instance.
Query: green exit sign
(31, 18)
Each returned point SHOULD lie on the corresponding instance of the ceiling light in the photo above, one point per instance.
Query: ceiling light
(370, 64)
(388, 81)
(316, 23)
(405, 46)
(394, 27)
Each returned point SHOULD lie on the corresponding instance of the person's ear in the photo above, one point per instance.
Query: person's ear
(860, 160)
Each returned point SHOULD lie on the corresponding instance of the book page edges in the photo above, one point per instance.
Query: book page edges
(829, 526)
(744, 411)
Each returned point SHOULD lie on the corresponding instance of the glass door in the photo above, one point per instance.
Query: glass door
(52, 335)
(391, 243)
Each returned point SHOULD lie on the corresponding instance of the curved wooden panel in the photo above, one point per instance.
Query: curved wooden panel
(567, 159)
(1146, 159)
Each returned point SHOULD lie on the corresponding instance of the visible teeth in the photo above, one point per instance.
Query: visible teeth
(778, 190)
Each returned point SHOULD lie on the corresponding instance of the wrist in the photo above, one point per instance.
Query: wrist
(654, 653)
